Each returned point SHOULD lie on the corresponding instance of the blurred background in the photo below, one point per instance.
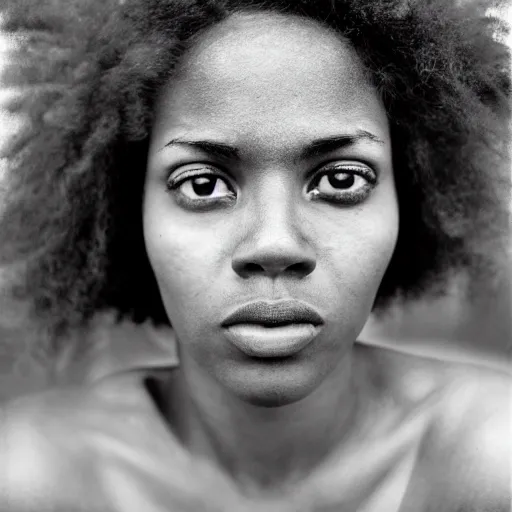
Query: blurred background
(447, 327)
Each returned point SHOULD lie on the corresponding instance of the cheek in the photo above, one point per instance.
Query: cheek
(186, 261)
(378, 241)
(360, 253)
(378, 231)
(355, 261)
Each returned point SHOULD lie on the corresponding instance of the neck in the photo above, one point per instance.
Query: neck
(259, 447)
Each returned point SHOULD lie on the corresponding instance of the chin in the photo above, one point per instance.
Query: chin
(272, 400)
(273, 383)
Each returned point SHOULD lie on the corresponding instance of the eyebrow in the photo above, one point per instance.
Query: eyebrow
(330, 144)
(316, 148)
(211, 147)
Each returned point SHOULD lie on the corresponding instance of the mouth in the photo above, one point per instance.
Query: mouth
(272, 329)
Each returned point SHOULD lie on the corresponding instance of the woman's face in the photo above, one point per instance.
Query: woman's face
(269, 177)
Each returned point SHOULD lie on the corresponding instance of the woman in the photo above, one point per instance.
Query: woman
(260, 176)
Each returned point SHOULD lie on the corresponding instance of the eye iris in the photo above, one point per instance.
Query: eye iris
(204, 186)
(341, 180)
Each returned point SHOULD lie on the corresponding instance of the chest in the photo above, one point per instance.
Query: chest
(374, 479)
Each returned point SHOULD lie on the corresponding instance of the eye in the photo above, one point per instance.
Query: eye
(200, 186)
(343, 183)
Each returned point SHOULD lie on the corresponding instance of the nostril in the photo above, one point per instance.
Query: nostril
(253, 267)
(272, 259)
(300, 268)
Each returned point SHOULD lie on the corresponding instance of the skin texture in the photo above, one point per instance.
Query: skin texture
(273, 239)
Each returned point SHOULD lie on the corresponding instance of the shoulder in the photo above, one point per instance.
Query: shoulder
(39, 460)
(50, 445)
(464, 460)
(474, 433)
(100, 448)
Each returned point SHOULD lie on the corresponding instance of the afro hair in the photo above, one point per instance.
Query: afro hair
(85, 75)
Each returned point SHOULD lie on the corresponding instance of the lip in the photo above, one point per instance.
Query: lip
(274, 314)
(270, 342)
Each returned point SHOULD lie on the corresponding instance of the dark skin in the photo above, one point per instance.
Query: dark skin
(440, 442)
(259, 103)
(258, 122)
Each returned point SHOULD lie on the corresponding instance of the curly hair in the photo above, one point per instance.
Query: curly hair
(87, 73)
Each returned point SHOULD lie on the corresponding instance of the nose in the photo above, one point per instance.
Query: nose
(274, 245)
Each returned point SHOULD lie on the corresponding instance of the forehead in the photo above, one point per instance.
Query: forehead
(259, 68)
(265, 40)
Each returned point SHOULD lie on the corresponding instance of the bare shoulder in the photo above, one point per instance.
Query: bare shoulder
(44, 457)
(465, 458)
(49, 445)
(102, 448)
(474, 429)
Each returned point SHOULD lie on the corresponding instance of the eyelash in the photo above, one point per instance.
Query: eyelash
(173, 185)
(345, 198)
